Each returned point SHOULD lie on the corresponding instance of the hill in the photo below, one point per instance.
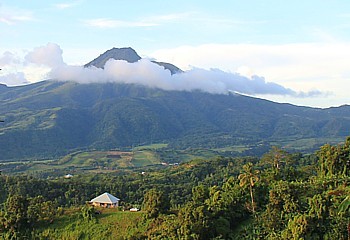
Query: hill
(51, 118)
(278, 195)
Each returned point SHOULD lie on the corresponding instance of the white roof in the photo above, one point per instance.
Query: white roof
(105, 198)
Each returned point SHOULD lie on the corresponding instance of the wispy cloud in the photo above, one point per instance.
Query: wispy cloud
(301, 67)
(150, 21)
(170, 17)
(65, 5)
(113, 23)
(158, 20)
(11, 16)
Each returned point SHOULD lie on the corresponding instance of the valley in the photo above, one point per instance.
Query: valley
(198, 164)
(50, 119)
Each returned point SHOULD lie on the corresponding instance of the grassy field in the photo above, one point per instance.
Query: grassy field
(151, 147)
(148, 155)
(144, 158)
(106, 161)
(97, 161)
(110, 224)
(236, 148)
(306, 144)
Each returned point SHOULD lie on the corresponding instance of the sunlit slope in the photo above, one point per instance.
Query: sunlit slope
(52, 118)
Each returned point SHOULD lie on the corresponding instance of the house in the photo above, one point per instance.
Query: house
(106, 200)
(67, 176)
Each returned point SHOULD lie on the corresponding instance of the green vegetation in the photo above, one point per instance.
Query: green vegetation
(110, 224)
(144, 158)
(141, 157)
(184, 158)
(154, 146)
(48, 120)
(281, 195)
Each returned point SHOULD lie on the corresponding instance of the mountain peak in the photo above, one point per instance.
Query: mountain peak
(127, 54)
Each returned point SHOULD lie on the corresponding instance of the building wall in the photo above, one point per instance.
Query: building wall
(106, 205)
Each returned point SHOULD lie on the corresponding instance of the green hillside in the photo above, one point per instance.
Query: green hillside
(51, 119)
(110, 224)
(280, 195)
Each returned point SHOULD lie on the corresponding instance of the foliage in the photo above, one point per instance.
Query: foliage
(155, 203)
(335, 159)
(249, 177)
(50, 119)
(199, 199)
(21, 214)
(88, 213)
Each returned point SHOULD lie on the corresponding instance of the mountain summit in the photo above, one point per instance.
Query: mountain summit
(127, 54)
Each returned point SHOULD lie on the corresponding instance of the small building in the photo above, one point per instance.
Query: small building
(67, 176)
(106, 200)
(134, 209)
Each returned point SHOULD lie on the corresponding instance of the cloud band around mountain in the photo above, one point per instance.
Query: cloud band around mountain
(149, 74)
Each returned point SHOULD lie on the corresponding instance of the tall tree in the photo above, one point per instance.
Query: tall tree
(249, 177)
(276, 158)
(14, 218)
(154, 203)
(335, 159)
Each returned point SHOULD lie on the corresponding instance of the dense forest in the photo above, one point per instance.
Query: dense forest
(49, 119)
(278, 196)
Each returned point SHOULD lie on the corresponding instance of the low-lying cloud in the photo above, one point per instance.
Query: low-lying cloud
(8, 58)
(14, 79)
(49, 55)
(147, 73)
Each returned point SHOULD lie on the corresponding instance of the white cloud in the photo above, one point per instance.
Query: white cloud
(65, 5)
(113, 23)
(12, 16)
(298, 66)
(150, 21)
(47, 61)
(14, 79)
(170, 17)
(49, 55)
(147, 73)
(33, 67)
(8, 58)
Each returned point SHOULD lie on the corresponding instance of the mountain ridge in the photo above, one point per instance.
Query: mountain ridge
(127, 54)
(51, 118)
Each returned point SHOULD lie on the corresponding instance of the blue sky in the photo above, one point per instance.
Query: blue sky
(300, 45)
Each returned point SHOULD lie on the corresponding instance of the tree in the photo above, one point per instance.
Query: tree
(248, 178)
(335, 159)
(199, 194)
(14, 218)
(276, 158)
(88, 213)
(154, 203)
(41, 210)
(194, 216)
(273, 158)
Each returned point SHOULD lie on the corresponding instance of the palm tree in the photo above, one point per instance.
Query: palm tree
(249, 177)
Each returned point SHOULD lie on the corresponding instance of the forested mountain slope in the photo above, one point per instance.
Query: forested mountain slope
(51, 118)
